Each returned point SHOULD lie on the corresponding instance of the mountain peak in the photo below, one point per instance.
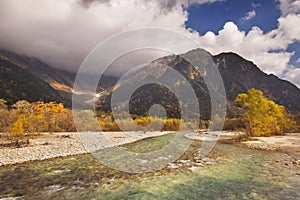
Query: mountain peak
(196, 52)
(232, 54)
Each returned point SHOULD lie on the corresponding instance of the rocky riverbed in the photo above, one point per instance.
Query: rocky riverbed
(51, 145)
(229, 171)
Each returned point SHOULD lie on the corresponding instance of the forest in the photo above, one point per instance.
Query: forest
(257, 116)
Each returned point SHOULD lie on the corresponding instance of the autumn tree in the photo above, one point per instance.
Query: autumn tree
(33, 118)
(23, 107)
(6, 117)
(17, 129)
(263, 117)
(52, 117)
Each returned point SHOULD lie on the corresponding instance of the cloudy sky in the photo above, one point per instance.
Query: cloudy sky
(63, 32)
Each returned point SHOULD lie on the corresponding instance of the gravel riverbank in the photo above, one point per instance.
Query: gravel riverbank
(54, 145)
(289, 143)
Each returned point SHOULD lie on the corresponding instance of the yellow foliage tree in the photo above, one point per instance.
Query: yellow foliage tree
(41, 117)
(18, 127)
(263, 117)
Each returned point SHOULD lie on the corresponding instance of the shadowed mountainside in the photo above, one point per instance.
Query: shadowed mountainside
(29, 78)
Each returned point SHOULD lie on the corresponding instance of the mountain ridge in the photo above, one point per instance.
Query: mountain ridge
(243, 75)
(239, 75)
(17, 83)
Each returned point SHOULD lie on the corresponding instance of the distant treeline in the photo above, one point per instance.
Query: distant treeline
(258, 116)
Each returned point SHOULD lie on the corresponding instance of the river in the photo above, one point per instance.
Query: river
(230, 171)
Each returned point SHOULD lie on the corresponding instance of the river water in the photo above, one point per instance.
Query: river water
(229, 172)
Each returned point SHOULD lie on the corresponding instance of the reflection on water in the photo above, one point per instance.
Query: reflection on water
(231, 172)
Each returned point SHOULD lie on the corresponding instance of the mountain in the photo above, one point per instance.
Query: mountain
(17, 83)
(51, 80)
(238, 74)
(29, 78)
(57, 78)
(23, 77)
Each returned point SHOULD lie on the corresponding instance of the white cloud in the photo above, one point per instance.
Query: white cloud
(289, 27)
(255, 5)
(189, 2)
(249, 15)
(289, 6)
(293, 75)
(255, 46)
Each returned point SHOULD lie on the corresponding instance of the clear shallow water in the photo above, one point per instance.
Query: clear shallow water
(234, 173)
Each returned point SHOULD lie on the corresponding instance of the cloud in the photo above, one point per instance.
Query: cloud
(289, 27)
(164, 4)
(249, 15)
(289, 7)
(255, 45)
(62, 33)
(293, 76)
(255, 5)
